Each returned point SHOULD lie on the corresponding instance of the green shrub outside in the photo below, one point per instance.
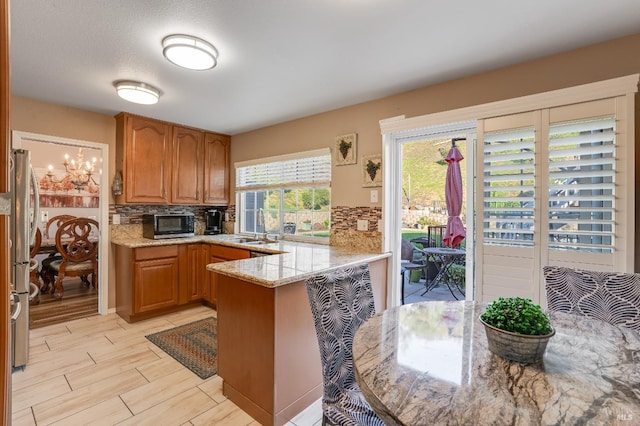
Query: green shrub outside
(457, 274)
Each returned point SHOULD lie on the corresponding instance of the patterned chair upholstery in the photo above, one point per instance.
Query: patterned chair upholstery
(341, 301)
(613, 297)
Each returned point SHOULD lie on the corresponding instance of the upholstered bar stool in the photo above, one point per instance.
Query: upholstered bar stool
(613, 297)
(341, 301)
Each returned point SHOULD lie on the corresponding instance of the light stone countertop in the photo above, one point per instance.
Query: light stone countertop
(428, 363)
(287, 262)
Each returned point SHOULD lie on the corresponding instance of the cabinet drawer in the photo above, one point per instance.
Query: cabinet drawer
(229, 253)
(156, 252)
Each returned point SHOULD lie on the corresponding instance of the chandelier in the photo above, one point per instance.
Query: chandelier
(79, 172)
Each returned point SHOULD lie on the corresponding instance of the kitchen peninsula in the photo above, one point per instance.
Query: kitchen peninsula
(268, 352)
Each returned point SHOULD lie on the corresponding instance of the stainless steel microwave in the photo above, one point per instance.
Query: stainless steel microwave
(157, 226)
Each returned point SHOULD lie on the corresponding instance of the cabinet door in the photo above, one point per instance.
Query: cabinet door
(193, 271)
(156, 284)
(210, 282)
(216, 169)
(147, 161)
(186, 183)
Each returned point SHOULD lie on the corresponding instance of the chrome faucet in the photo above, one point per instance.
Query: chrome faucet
(262, 222)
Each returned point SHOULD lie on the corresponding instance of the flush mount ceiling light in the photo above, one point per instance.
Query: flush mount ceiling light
(136, 92)
(189, 52)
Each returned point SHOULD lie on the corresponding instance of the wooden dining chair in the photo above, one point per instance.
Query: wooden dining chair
(54, 223)
(79, 251)
(613, 297)
(46, 273)
(341, 301)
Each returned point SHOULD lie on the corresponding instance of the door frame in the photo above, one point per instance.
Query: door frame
(103, 275)
(392, 196)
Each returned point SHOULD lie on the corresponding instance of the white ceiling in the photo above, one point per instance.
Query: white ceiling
(285, 59)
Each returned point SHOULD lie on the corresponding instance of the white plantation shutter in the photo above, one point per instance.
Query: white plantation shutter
(508, 189)
(582, 181)
(557, 189)
(306, 169)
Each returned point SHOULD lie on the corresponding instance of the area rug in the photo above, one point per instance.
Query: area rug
(194, 345)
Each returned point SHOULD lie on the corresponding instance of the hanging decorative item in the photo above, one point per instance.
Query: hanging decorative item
(346, 149)
(372, 170)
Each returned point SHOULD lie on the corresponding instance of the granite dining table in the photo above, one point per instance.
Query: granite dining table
(428, 364)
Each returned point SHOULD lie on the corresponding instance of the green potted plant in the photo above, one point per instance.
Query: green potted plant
(517, 329)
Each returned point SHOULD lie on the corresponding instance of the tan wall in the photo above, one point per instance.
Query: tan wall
(28, 115)
(594, 63)
(598, 62)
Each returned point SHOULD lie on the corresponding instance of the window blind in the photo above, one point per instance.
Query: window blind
(312, 169)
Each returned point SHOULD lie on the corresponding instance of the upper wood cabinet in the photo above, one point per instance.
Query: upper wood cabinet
(143, 154)
(216, 169)
(163, 163)
(186, 185)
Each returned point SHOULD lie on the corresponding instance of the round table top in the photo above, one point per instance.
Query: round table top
(428, 363)
(443, 251)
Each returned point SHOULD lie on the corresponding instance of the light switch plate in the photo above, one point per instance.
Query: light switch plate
(44, 216)
(363, 225)
(115, 219)
(374, 195)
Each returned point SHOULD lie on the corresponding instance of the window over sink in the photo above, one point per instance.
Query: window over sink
(288, 195)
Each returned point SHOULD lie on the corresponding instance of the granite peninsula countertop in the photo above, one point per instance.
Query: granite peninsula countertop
(285, 261)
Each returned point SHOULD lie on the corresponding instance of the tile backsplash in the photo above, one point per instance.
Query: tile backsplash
(343, 221)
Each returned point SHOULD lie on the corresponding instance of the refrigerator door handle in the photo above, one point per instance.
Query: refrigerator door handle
(15, 302)
(36, 206)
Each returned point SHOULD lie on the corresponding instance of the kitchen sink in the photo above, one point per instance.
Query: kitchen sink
(252, 241)
(242, 240)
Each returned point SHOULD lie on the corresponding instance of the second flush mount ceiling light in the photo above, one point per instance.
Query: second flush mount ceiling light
(189, 52)
(137, 92)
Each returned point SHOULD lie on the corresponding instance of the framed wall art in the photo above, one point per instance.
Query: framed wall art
(372, 170)
(346, 149)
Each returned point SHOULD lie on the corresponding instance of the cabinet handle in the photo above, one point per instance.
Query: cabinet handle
(165, 195)
(198, 194)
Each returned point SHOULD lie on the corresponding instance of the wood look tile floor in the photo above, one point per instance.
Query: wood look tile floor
(101, 370)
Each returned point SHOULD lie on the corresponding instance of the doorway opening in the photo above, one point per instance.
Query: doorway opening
(73, 182)
(426, 275)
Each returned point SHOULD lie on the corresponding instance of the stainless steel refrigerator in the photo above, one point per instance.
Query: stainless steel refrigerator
(24, 214)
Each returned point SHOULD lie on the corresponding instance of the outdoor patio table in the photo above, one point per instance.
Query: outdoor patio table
(443, 258)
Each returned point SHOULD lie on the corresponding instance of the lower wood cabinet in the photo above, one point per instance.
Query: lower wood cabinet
(219, 254)
(193, 261)
(151, 281)
(147, 280)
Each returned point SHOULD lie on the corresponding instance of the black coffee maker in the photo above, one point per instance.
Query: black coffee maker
(213, 222)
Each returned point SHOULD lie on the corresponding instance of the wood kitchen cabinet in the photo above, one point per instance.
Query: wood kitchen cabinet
(187, 166)
(143, 154)
(152, 281)
(147, 281)
(216, 169)
(219, 254)
(193, 273)
(164, 163)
